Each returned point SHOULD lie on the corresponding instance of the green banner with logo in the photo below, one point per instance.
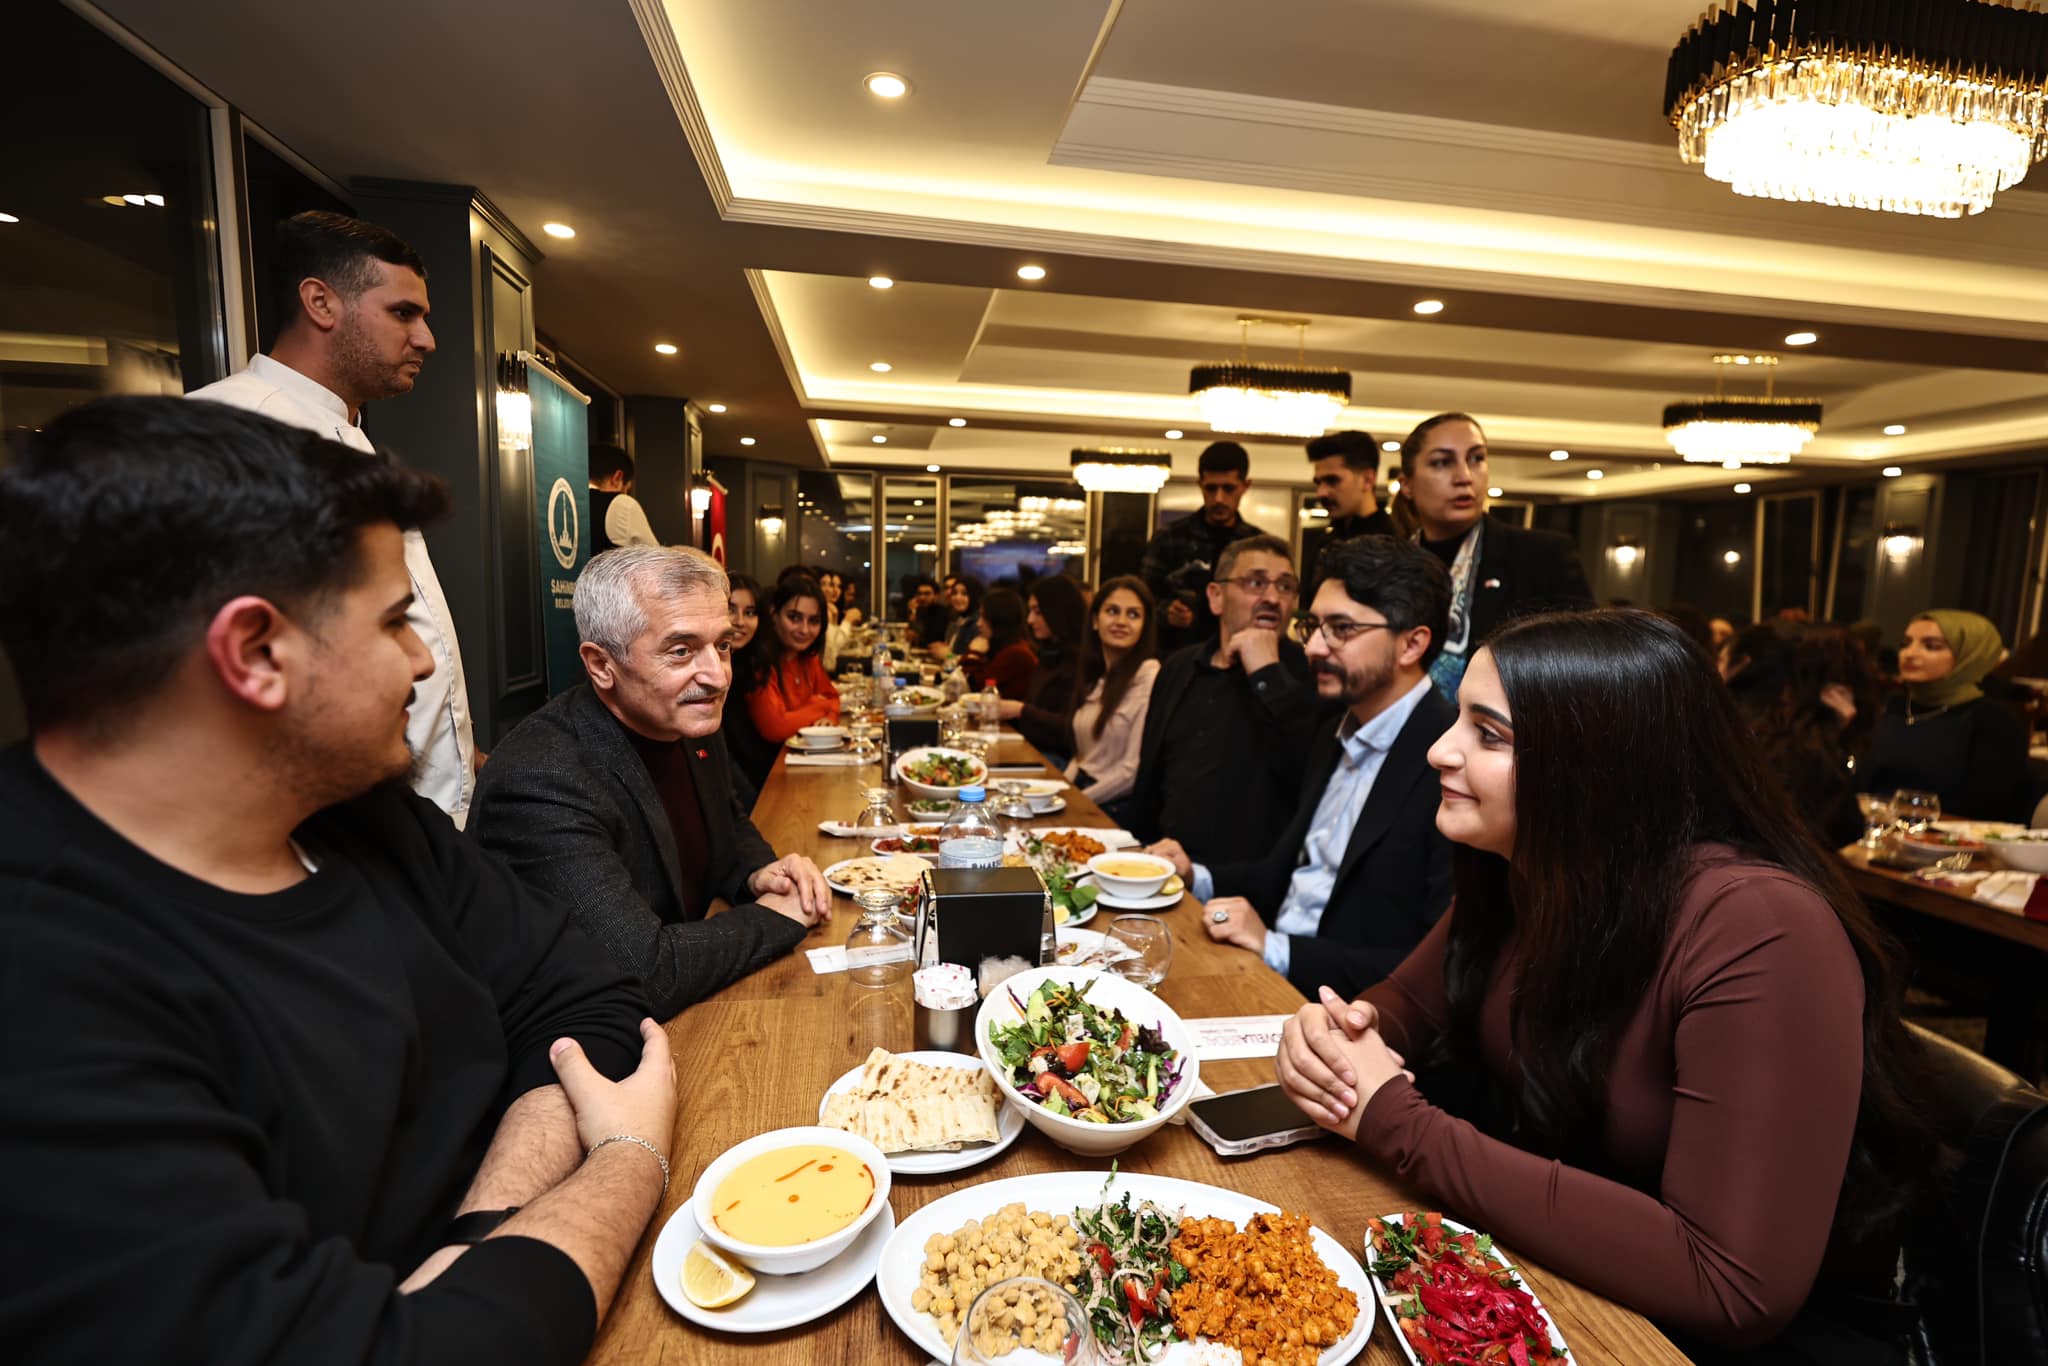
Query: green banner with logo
(561, 497)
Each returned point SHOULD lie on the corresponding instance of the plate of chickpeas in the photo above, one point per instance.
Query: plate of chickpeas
(943, 1255)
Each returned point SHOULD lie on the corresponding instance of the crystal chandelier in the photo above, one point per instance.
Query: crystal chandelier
(1270, 400)
(1931, 107)
(1115, 470)
(1749, 431)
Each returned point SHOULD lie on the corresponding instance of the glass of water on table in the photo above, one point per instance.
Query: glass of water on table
(1148, 948)
(1914, 811)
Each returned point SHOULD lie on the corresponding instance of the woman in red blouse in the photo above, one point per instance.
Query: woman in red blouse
(1010, 661)
(1684, 1028)
(789, 688)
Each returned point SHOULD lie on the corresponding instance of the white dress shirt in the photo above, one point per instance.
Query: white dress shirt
(1363, 752)
(625, 521)
(1112, 757)
(439, 731)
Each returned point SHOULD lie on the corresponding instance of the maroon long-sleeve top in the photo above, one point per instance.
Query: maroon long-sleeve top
(1731, 1103)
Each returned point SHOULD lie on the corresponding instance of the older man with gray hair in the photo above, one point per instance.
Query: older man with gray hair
(616, 798)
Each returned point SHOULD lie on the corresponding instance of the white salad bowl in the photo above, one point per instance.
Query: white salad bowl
(910, 757)
(796, 1257)
(1138, 1005)
(1043, 793)
(2027, 850)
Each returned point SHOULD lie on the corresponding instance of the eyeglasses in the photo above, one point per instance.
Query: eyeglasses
(1337, 633)
(1255, 584)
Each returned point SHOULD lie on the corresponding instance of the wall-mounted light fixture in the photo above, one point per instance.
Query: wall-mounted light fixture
(1625, 553)
(1900, 540)
(700, 499)
(771, 519)
(514, 401)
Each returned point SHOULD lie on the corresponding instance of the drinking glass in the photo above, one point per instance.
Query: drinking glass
(876, 815)
(1150, 947)
(1877, 817)
(854, 691)
(862, 728)
(1013, 809)
(1025, 1318)
(1915, 811)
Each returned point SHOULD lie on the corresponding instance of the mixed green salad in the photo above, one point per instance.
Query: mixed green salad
(941, 769)
(1075, 1058)
(1128, 1274)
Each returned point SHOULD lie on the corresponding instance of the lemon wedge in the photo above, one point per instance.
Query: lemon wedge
(710, 1280)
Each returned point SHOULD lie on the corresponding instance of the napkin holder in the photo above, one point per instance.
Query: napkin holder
(972, 915)
(905, 733)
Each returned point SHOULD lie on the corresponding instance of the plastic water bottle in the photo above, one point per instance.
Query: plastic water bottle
(954, 687)
(885, 675)
(990, 713)
(970, 837)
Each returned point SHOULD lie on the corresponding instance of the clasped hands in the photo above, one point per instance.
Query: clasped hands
(1333, 1060)
(793, 886)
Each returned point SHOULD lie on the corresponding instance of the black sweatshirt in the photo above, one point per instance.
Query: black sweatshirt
(230, 1125)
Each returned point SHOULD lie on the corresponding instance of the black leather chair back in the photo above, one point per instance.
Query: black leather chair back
(1981, 1262)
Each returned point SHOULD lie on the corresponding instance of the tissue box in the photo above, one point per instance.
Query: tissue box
(971, 915)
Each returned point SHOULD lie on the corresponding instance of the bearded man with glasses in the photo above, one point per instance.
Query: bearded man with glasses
(1361, 873)
(1228, 729)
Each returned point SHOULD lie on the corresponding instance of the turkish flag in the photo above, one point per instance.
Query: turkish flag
(714, 523)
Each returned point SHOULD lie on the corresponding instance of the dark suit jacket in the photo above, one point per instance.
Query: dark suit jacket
(567, 802)
(1522, 572)
(1284, 711)
(1395, 880)
(1317, 540)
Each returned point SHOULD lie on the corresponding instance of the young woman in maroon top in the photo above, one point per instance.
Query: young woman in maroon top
(1686, 1017)
(789, 688)
(1010, 661)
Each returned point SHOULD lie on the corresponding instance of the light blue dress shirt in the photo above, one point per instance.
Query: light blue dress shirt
(1364, 751)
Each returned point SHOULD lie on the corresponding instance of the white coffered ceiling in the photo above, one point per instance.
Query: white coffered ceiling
(1172, 164)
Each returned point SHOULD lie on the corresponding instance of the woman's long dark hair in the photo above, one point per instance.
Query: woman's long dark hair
(1003, 610)
(1094, 664)
(1629, 753)
(768, 651)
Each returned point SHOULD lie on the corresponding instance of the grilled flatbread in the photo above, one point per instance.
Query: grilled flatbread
(901, 1105)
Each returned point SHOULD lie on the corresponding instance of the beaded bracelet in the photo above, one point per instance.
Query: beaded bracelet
(635, 1138)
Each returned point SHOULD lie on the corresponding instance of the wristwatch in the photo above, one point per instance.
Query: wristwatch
(475, 1226)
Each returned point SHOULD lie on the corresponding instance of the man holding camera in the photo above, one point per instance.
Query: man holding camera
(1180, 560)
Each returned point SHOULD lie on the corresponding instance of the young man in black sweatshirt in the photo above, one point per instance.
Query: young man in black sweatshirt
(293, 1073)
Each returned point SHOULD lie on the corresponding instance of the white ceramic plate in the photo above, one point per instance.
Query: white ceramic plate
(775, 1302)
(1164, 901)
(1009, 1125)
(1062, 1193)
(1072, 920)
(1110, 840)
(1089, 948)
(804, 745)
(876, 845)
(1400, 1338)
(833, 873)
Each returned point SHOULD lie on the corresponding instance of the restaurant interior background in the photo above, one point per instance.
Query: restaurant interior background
(881, 327)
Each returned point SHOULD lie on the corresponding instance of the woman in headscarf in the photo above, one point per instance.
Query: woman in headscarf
(1945, 736)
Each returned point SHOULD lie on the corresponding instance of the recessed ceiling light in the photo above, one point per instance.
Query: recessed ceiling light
(931, 469)
(1429, 307)
(8, 218)
(956, 422)
(1731, 464)
(1802, 339)
(1596, 474)
(1891, 471)
(1554, 455)
(137, 200)
(880, 282)
(881, 367)
(562, 230)
(665, 348)
(118, 201)
(917, 502)
(155, 201)
(887, 84)
(714, 407)
(879, 439)
(1731, 557)
(746, 441)
(1031, 272)
(1895, 429)
(1174, 434)
(1390, 445)
(1742, 488)
(1493, 493)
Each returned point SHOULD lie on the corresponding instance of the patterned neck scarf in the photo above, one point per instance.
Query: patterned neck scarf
(1447, 670)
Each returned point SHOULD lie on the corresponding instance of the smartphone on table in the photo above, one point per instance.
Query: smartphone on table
(1240, 1122)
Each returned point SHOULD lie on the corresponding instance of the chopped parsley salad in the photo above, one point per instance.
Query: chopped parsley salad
(1454, 1300)
(1088, 1062)
(1128, 1275)
(938, 768)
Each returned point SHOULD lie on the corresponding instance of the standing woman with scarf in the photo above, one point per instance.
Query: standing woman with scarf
(1498, 570)
(1945, 736)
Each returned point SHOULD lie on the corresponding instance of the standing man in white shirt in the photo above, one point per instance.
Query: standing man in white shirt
(352, 303)
(616, 518)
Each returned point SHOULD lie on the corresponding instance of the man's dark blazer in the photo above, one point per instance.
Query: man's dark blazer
(1522, 572)
(1395, 879)
(1286, 711)
(566, 801)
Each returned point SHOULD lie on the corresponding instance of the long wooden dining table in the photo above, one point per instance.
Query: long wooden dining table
(759, 1055)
